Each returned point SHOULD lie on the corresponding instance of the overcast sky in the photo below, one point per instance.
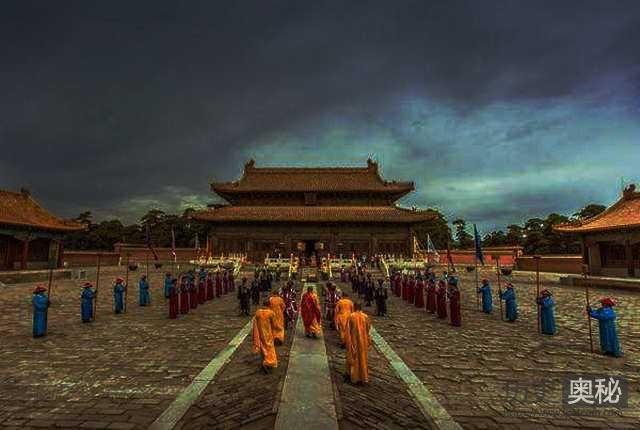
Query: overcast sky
(498, 110)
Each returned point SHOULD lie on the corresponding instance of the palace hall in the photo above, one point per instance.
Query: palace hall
(311, 212)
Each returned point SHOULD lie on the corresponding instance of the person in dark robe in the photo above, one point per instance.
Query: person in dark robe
(173, 299)
(441, 299)
(453, 292)
(398, 284)
(343, 275)
(210, 294)
(218, 284)
(40, 303)
(86, 302)
(202, 291)
(354, 284)
(144, 298)
(368, 291)
(255, 292)
(419, 293)
(118, 296)
(225, 282)
(193, 291)
(184, 295)
(606, 316)
(232, 282)
(511, 306)
(330, 301)
(431, 296)
(380, 295)
(244, 296)
(547, 316)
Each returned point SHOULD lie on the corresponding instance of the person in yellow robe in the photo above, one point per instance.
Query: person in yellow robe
(264, 322)
(276, 304)
(344, 307)
(358, 342)
(310, 311)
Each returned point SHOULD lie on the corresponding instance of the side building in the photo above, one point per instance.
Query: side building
(611, 239)
(311, 212)
(30, 236)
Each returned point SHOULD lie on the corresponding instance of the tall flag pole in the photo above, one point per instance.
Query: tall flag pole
(480, 258)
(148, 243)
(450, 259)
(173, 244)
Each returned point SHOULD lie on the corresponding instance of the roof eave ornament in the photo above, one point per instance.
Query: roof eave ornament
(249, 164)
(630, 192)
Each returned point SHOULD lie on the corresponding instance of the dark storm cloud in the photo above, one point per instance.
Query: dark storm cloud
(121, 106)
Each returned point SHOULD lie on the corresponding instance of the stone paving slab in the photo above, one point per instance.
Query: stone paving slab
(494, 374)
(120, 371)
(307, 396)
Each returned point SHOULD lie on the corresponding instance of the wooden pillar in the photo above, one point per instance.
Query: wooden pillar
(629, 257)
(60, 261)
(25, 253)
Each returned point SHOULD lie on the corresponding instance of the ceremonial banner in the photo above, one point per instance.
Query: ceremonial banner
(478, 243)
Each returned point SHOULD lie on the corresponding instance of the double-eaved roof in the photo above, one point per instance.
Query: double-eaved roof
(623, 215)
(316, 179)
(302, 214)
(21, 210)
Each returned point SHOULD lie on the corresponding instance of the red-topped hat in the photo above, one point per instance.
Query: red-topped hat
(39, 289)
(545, 292)
(87, 285)
(119, 280)
(607, 301)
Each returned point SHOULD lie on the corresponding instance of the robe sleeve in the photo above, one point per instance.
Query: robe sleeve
(255, 333)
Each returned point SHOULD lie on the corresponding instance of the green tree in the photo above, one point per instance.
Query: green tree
(437, 229)
(463, 238)
(589, 211)
(495, 238)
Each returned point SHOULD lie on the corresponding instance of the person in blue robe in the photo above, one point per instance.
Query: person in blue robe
(511, 305)
(487, 300)
(144, 298)
(547, 315)
(40, 302)
(167, 285)
(118, 296)
(202, 275)
(86, 303)
(606, 316)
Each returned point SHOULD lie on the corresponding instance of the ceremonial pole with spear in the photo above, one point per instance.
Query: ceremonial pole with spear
(537, 260)
(95, 303)
(126, 284)
(585, 274)
(479, 257)
(497, 257)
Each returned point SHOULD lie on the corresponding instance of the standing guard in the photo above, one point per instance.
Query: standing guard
(419, 293)
(209, 281)
(431, 295)
(184, 295)
(441, 299)
(330, 300)
(381, 294)
(193, 290)
(243, 297)
(40, 303)
(167, 284)
(86, 302)
(143, 291)
(606, 316)
(547, 317)
(118, 296)
(487, 300)
(218, 284)
(509, 297)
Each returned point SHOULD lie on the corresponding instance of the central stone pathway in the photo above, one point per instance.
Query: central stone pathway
(307, 396)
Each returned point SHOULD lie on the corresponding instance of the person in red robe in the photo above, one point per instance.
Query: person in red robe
(184, 296)
(398, 285)
(454, 301)
(311, 315)
(173, 299)
(419, 293)
(431, 296)
(202, 292)
(441, 300)
(232, 282)
(405, 285)
(209, 295)
(411, 289)
(218, 284)
(225, 282)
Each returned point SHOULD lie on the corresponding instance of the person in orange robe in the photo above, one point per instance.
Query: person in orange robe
(344, 307)
(264, 322)
(310, 311)
(276, 304)
(358, 342)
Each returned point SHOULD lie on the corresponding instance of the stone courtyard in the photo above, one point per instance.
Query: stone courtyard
(123, 371)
